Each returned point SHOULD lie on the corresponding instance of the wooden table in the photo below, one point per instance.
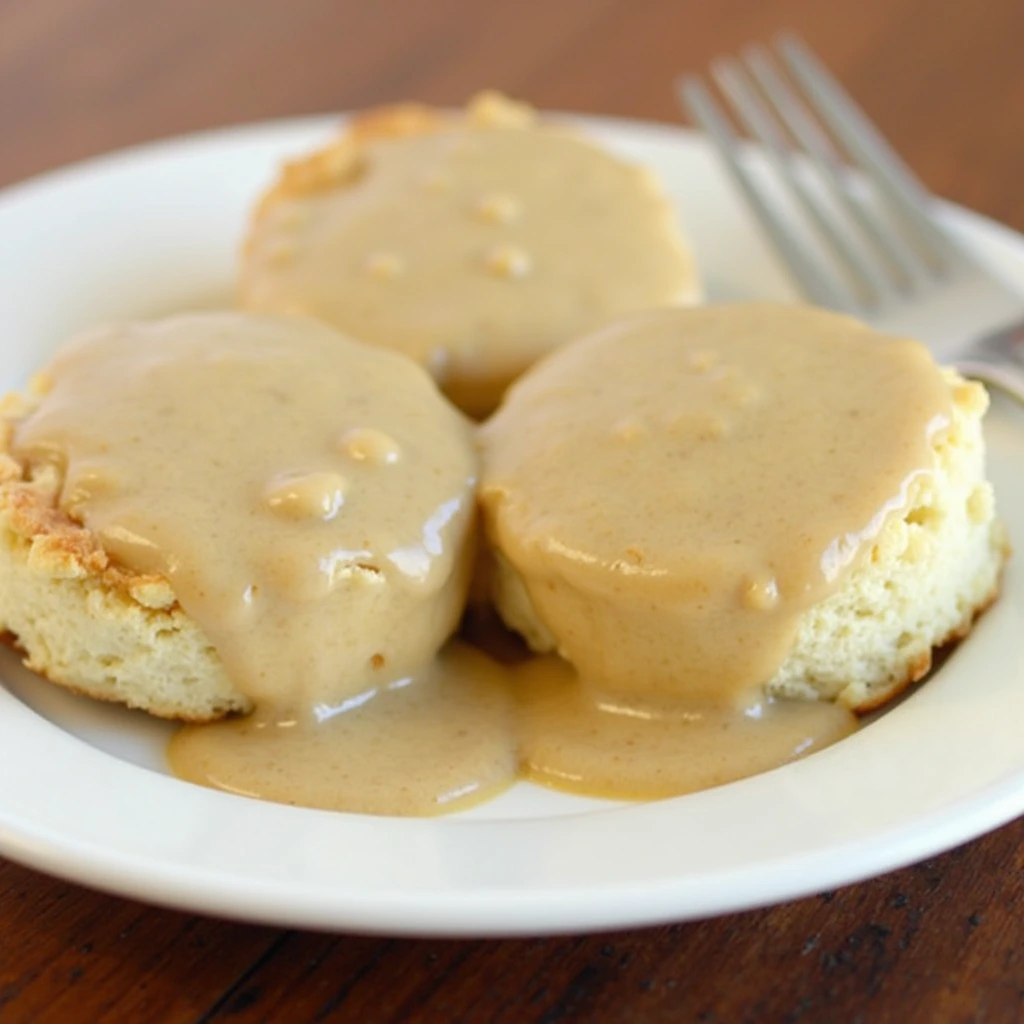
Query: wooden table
(942, 941)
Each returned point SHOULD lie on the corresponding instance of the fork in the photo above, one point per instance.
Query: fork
(860, 235)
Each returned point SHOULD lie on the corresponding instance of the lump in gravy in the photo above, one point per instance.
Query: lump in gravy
(670, 513)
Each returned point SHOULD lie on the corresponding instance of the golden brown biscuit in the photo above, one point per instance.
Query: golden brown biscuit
(222, 510)
(695, 502)
(473, 243)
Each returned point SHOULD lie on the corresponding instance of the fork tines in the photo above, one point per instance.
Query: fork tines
(876, 228)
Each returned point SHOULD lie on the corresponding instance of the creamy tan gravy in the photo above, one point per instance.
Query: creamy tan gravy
(673, 493)
(473, 248)
(440, 740)
(466, 726)
(575, 739)
(309, 504)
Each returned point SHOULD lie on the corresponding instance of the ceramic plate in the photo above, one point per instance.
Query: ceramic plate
(83, 789)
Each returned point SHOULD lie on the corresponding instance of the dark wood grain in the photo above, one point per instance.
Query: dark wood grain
(942, 941)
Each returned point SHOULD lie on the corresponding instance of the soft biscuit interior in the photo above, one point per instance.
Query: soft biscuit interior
(472, 243)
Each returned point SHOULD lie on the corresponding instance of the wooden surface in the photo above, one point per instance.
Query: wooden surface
(943, 941)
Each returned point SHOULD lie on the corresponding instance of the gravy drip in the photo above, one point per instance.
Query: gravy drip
(440, 740)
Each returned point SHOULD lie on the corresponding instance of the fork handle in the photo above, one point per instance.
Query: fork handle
(998, 359)
(1006, 344)
(1005, 376)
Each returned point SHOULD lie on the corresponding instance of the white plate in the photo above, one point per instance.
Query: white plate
(83, 792)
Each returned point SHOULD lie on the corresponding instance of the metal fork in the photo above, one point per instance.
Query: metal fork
(871, 241)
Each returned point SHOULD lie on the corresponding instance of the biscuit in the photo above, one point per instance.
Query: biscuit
(473, 243)
(628, 555)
